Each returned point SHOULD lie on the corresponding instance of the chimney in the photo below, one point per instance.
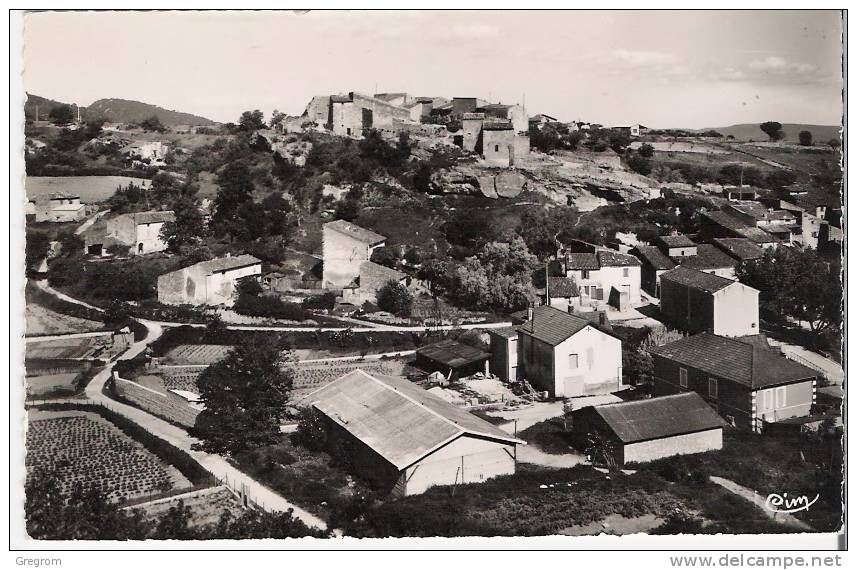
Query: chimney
(570, 308)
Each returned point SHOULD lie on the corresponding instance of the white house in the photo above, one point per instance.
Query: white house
(211, 282)
(345, 248)
(140, 230)
(566, 355)
(605, 276)
(59, 207)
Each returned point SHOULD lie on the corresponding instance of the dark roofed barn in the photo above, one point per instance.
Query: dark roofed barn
(646, 430)
(452, 357)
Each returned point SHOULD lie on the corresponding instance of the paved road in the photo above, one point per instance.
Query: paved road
(284, 328)
(43, 285)
(91, 220)
(830, 368)
(759, 501)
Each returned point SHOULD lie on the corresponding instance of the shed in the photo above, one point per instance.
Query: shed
(450, 356)
(646, 430)
(404, 439)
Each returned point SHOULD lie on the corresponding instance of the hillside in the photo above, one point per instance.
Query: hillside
(44, 106)
(125, 111)
(746, 132)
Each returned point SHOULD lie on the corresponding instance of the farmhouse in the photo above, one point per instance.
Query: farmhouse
(345, 247)
(748, 382)
(605, 275)
(739, 192)
(566, 355)
(140, 230)
(720, 224)
(696, 301)
(368, 283)
(515, 114)
(147, 152)
(59, 207)
(645, 430)
(211, 282)
(562, 293)
(635, 130)
(679, 250)
(405, 440)
(452, 358)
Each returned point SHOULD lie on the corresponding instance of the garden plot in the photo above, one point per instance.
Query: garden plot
(84, 448)
(310, 377)
(43, 321)
(197, 353)
(181, 379)
(86, 347)
(206, 506)
(51, 383)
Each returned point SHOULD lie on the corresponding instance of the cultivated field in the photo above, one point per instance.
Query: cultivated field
(89, 188)
(197, 353)
(206, 506)
(86, 347)
(83, 448)
(309, 377)
(50, 383)
(43, 321)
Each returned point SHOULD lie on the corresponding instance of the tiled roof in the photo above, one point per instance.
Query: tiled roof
(678, 240)
(735, 225)
(472, 116)
(505, 332)
(754, 209)
(355, 231)
(654, 257)
(696, 279)
(707, 257)
(741, 249)
(497, 125)
(396, 418)
(452, 353)
(552, 325)
(582, 261)
(228, 263)
(562, 287)
(154, 217)
(655, 418)
(609, 258)
(744, 361)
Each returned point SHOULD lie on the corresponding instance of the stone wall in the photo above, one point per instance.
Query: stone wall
(162, 404)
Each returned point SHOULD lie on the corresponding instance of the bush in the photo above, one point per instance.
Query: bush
(639, 164)
(269, 307)
(395, 298)
(324, 302)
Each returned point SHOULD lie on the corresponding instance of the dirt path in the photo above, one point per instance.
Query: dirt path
(759, 501)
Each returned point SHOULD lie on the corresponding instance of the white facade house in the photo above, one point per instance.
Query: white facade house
(141, 230)
(59, 208)
(213, 282)
(605, 276)
(345, 248)
(566, 355)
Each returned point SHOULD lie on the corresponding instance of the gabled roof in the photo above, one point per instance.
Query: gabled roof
(228, 263)
(453, 353)
(696, 279)
(562, 287)
(707, 257)
(678, 240)
(396, 418)
(578, 261)
(355, 231)
(741, 249)
(154, 217)
(746, 362)
(654, 257)
(552, 325)
(654, 418)
(737, 226)
(610, 258)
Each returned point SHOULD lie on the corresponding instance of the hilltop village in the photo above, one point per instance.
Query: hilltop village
(402, 315)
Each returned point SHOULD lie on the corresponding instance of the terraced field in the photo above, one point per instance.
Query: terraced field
(206, 507)
(197, 353)
(83, 448)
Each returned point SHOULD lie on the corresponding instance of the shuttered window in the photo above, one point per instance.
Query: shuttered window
(712, 387)
(682, 377)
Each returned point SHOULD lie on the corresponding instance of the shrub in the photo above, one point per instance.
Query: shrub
(325, 301)
(269, 307)
(395, 298)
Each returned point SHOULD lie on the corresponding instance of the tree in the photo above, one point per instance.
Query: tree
(773, 129)
(152, 124)
(805, 138)
(646, 150)
(799, 284)
(236, 186)
(394, 297)
(277, 118)
(639, 164)
(251, 121)
(498, 278)
(35, 249)
(61, 115)
(834, 143)
(245, 396)
(188, 227)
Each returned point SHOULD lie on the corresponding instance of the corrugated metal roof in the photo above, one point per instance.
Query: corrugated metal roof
(355, 231)
(696, 279)
(747, 362)
(396, 418)
(552, 325)
(642, 420)
(453, 354)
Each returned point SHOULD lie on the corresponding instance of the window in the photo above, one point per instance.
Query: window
(682, 377)
(780, 397)
(496, 148)
(625, 271)
(768, 399)
(572, 361)
(585, 274)
(348, 132)
(712, 387)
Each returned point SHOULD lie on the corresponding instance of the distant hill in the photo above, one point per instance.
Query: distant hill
(747, 132)
(43, 105)
(125, 111)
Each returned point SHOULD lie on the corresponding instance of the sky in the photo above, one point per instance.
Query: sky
(691, 69)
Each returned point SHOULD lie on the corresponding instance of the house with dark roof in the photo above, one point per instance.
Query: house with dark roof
(561, 292)
(676, 250)
(213, 282)
(605, 276)
(720, 224)
(740, 249)
(345, 247)
(748, 382)
(697, 301)
(567, 355)
(404, 439)
(646, 430)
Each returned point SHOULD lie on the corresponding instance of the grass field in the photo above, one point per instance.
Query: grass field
(83, 448)
(89, 188)
(43, 321)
